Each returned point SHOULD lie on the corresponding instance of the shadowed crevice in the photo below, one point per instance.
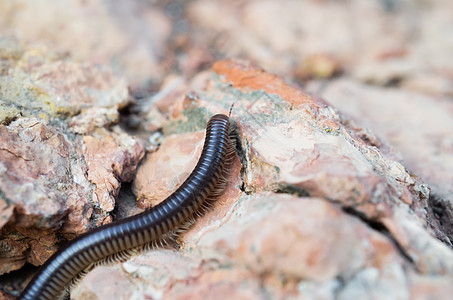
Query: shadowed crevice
(441, 219)
(379, 227)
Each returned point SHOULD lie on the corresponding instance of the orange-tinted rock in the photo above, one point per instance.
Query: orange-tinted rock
(13, 250)
(111, 159)
(307, 149)
(166, 169)
(304, 150)
(371, 41)
(319, 209)
(270, 245)
(36, 159)
(243, 75)
(283, 235)
(45, 188)
(35, 181)
(54, 183)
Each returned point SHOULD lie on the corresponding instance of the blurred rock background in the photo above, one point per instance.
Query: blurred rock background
(88, 87)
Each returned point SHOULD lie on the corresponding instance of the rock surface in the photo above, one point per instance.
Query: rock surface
(378, 42)
(417, 126)
(129, 36)
(315, 211)
(402, 42)
(56, 178)
(385, 64)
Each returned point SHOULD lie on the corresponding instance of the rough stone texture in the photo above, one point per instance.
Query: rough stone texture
(317, 210)
(326, 158)
(57, 178)
(36, 188)
(399, 45)
(111, 158)
(418, 126)
(35, 82)
(215, 261)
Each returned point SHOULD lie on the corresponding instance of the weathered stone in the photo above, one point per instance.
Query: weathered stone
(111, 159)
(35, 160)
(93, 118)
(404, 119)
(54, 182)
(38, 84)
(285, 253)
(319, 155)
(393, 44)
(12, 253)
(358, 200)
(83, 86)
(283, 237)
(319, 209)
(43, 184)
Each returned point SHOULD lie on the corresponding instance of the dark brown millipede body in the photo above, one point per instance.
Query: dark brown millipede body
(110, 242)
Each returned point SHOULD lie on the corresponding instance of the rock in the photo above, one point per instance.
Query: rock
(429, 84)
(300, 263)
(93, 118)
(56, 178)
(434, 288)
(165, 170)
(111, 159)
(390, 187)
(397, 41)
(129, 37)
(13, 252)
(319, 207)
(57, 87)
(280, 228)
(36, 184)
(404, 119)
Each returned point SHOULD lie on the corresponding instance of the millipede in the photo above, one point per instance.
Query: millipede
(119, 240)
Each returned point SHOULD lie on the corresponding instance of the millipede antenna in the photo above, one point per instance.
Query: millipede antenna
(231, 108)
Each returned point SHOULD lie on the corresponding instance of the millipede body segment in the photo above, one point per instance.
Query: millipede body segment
(118, 240)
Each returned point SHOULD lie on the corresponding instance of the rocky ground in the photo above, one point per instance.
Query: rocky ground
(342, 186)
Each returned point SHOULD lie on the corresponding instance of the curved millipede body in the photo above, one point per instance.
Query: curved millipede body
(117, 240)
